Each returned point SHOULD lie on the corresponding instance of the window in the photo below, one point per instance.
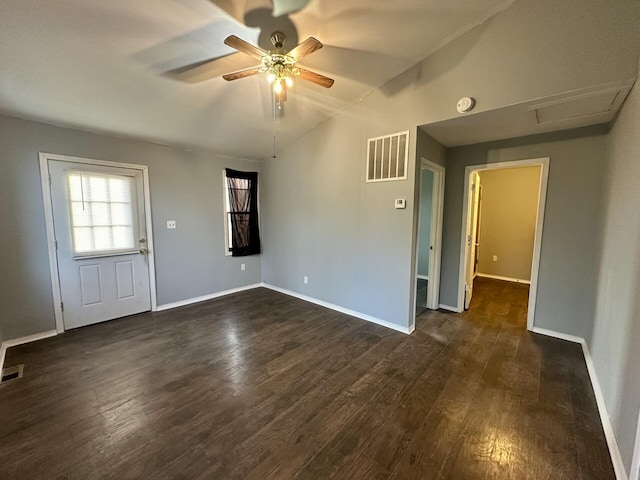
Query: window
(102, 213)
(241, 213)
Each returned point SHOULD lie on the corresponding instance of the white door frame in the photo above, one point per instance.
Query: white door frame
(437, 212)
(635, 462)
(537, 244)
(51, 242)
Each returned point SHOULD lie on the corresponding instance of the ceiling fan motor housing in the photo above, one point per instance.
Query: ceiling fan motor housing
(278, 39)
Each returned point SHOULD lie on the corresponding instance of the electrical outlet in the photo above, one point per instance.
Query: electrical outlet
(171, 224)
(243, 267)
(305, 279)
(495, 258)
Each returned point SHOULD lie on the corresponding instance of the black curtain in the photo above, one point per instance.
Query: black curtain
(243, 212)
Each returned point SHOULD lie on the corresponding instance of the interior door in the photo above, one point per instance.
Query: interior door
(99, 224)
(472, 227)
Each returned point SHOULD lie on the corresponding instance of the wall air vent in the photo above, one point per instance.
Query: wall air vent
(387, 157)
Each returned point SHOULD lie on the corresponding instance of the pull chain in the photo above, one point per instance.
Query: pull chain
(275, 101)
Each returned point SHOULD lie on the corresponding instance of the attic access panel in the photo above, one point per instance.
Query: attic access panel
(387, 157)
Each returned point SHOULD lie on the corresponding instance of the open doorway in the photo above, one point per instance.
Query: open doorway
(429, 236)
(502, 227)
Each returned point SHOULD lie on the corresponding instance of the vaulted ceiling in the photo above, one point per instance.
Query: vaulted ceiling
(118, 66)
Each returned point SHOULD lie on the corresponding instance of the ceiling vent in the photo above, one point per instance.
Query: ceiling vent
(580, 107)
(387, 157)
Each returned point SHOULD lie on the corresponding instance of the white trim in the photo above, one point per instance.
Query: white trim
(423, 277)
(406, 156)
(3, 352)
(612, 443)
(22, 340)
(506, 279)
(204, 298)
(554, 334)
(442, 306)
(435, 256)
(635, 463)
(51, 242)
(616, 458)
(48, 215)
(337, 308)
(543, 162)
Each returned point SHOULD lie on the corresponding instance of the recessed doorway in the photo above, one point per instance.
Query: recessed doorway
(505, 244)
(429, 240)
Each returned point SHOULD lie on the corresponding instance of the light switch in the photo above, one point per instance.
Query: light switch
(171, 224)
(495, 258)
(243, 267)
(401, 203)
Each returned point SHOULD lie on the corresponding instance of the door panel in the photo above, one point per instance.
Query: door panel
(125, 280)
(472, 223)
(90, 284)
(99, 224)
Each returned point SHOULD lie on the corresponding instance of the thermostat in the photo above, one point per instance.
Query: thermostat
(466, 104)
(401, 203)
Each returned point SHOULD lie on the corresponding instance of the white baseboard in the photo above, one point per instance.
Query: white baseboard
(635, 463)
(616, 458)
(506, 279)
(561, 336)
(22, 340)
(423, 277)
(3, 352)
(340, 309)
(449, 308)
(614, 450)
(204, 298)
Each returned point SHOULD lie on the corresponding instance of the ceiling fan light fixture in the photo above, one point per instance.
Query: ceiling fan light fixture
(278, 64)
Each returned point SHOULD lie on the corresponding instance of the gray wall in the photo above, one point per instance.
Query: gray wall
(320, 217)
(615, 341)
(186, 186)
(322, 220)
(424, 236)
(509, 207)
(570, 242)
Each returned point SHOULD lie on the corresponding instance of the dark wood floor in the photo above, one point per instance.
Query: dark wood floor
(258, 385)
(421, 296)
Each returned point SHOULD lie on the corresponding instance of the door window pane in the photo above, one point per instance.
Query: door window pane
(103, 212)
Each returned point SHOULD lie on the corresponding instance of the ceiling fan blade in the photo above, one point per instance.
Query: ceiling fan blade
(285, 7)
(307, 47)
(316, 78)
(210, 68)
(241, 73)
(245, 47)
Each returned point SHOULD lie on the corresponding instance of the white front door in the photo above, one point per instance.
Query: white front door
(100, 233)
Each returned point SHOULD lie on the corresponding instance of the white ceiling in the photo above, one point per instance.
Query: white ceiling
(104, 65)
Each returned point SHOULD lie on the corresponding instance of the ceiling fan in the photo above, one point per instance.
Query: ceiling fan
(279, 65)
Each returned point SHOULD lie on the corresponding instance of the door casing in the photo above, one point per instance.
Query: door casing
(435, 260)
(543, 163)
(51, 242)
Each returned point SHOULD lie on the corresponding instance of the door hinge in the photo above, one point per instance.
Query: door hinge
(49, 179)
(62, 306)
(55, 242)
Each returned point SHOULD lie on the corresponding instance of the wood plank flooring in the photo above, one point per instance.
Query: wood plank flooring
(259, 385)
